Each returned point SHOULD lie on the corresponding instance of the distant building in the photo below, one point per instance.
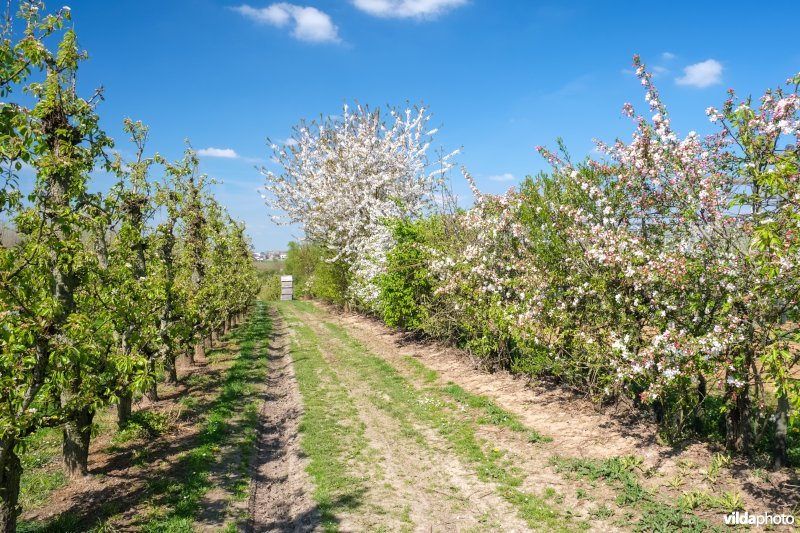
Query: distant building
(270, 255)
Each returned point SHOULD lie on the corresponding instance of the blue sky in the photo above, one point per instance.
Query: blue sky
(499, 76)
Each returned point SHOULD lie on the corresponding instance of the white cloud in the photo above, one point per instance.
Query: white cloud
(704, 74)
(276, 14)
(658, 70)
(503, 177)
(407, 8)
(309, 23)
(225, 153)
(667, 56)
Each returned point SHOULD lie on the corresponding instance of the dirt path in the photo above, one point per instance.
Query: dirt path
(413, 481)
(280, 492)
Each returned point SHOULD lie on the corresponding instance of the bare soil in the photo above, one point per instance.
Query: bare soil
(412, 481)
(117, 484)
(280, 491)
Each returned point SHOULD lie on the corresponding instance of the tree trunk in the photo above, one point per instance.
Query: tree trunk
(170, 370)
(781, 455)
(658, 411)
(10, 474)
(152, 388)
(77, 435)
(737, 420)
(214, 336)
(738, 416)
(699, 412)
(124, 408)
(198, 353)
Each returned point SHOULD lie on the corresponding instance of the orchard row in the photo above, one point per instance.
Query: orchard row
(102, 292)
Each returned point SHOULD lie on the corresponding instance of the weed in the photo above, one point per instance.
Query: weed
(693, 499)
(718, 462)
(601, 512)
(666, 518)
(142, 425)
(631, 462)
(686, 466)
(61, 523)
(405, 515)
(760, 474)
(728, 502)
(676, 481)
(189, 402)
(620, 473)
(721, 460)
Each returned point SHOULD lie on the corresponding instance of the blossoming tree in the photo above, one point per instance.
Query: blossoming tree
(666, 270)
(344, 177)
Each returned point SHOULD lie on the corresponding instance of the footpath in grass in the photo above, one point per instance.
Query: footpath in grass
(181, 465)
(341, 382)
(331, 436)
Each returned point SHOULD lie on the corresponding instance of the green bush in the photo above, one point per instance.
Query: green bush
(315, 273)
(270, 286)
(330, 281)
(406, 288)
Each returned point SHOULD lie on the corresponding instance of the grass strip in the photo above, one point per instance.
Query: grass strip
(331, 434)
(179, 499)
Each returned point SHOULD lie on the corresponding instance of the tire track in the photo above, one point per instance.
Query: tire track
(419, 484)
(280, 490)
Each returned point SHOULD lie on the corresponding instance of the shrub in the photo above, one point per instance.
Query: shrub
(406, 287)
(315, 273)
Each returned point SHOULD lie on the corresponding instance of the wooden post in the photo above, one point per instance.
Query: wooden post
(286, 287)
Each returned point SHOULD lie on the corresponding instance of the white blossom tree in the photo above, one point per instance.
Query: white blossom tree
(344, 177)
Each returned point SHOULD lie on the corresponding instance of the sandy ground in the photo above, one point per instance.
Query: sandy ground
(420, 479)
